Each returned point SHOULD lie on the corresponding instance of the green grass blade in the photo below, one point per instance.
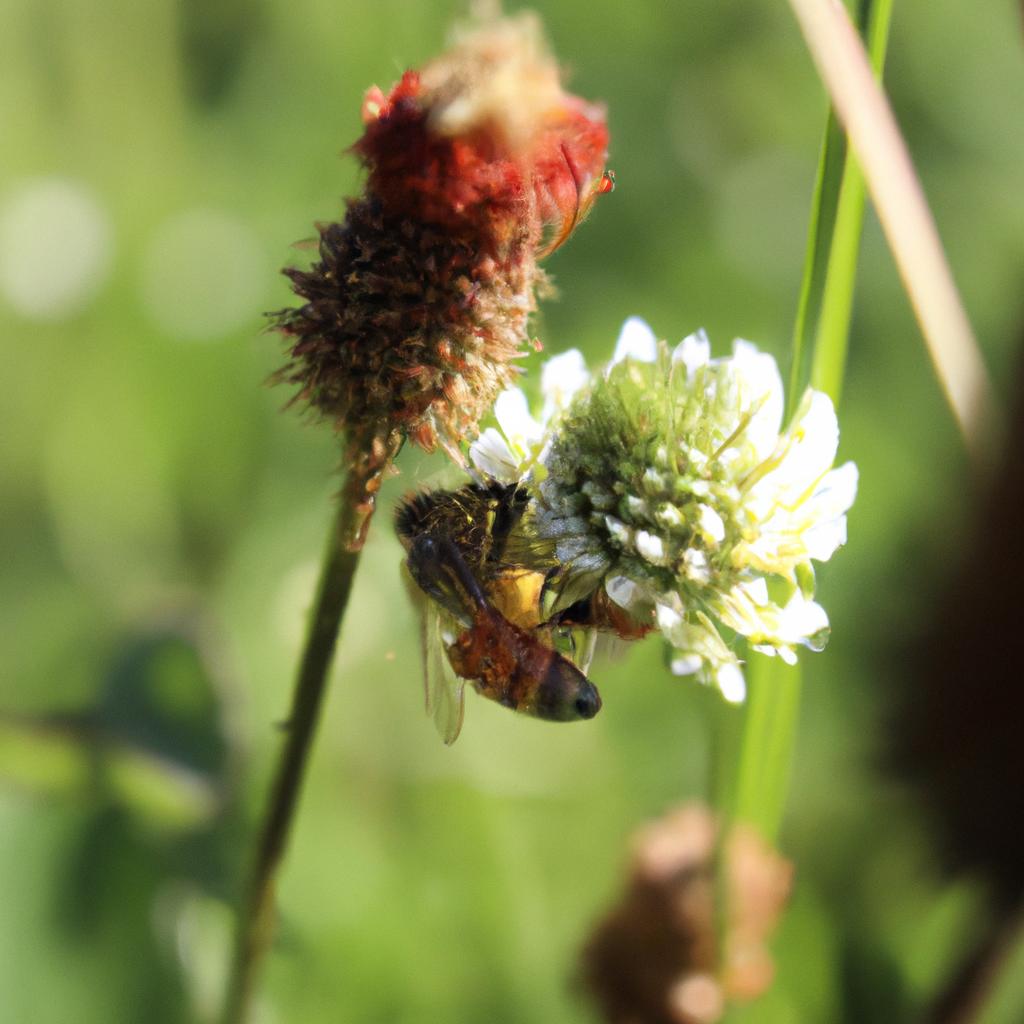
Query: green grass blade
(824, 204)
(829, 362)
(823, 311)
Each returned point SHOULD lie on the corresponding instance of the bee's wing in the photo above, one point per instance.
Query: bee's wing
(445, 691)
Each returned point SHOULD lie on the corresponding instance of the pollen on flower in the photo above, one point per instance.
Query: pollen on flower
(415, 312)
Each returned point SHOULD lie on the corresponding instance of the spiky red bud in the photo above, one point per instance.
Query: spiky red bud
(418, 305)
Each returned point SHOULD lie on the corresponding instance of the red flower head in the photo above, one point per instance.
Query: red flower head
(477, 165)
(485, 141)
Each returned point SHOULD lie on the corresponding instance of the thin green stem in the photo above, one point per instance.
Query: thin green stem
(826, 302)
(769, 736)
(725, 723)
(341, 558)
(829, 364)
(824, 202)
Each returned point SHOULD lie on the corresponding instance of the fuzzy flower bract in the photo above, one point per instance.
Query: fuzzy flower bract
(671, 481)
(476, 166)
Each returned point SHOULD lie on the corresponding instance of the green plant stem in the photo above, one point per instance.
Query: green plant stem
(769, 738)
(773, 703)
(725, 722)
(829, 363)
(824, 203)
(257, 920)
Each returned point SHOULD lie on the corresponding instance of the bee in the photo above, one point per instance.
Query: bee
(484, 614)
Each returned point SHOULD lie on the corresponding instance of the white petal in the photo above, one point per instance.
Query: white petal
(491, 454)
(636, 341)
(731, 683)
(560, 378)
(513, 415)
(685, 664)
(698, 460)
(756, 590)
(760, 386)
(638, 507)
(814, 438)
(799, 503)
(822, 541)
(801, 620)
(668, 619)
(837, 490)
(694, 351)
(824, 512)
(654, 479)
(669, 516)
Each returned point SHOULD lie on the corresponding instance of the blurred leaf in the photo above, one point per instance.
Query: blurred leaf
(43, 757)
(159, 697)
(155, 743)
(166, 794)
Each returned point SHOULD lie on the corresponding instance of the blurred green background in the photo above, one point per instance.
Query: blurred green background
(162, 520)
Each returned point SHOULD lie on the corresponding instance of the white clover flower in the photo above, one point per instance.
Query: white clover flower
(671, 481)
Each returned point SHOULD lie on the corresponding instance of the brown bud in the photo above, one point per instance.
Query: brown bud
(657, 957)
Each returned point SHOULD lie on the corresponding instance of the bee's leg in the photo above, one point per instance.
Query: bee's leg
(439, 569)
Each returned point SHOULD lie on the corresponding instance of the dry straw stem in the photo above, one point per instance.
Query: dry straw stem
(903, 210)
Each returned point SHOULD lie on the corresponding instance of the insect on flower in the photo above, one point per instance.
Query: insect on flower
(483, 608)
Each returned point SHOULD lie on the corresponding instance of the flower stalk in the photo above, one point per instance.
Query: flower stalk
(837, 296)
(341, 558)
(773, 706)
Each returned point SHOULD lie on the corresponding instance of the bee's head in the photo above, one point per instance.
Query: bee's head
(565, 694)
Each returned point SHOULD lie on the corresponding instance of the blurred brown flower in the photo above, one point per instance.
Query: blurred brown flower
(656, 958)
(476, 165)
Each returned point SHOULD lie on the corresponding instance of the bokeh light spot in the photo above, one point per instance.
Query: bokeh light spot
(56, 247)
